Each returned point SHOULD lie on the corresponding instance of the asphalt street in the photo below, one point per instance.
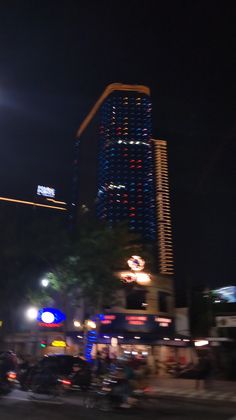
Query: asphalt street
(18, 405)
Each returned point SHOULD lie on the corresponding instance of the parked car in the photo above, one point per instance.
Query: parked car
(57, 366)
(8, 368)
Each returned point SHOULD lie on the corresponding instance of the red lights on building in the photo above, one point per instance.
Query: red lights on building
(163, 322)
(136, 320)
(51, 325)
(108, 319)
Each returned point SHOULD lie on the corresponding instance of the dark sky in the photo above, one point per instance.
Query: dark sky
(58, 56)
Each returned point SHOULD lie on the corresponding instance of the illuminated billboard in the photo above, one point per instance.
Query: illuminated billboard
(225, 294)
(46, 191)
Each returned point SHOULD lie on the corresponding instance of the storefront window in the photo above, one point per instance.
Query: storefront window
(163, 301)
(136, 300)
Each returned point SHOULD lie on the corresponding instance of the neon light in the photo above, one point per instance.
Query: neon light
(56, 201)
(166, 320)
(31, 203)
(136, 318)
(42, 324)
(109, 317)
(58, 343)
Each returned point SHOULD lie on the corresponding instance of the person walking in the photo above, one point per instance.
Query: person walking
(204, 370)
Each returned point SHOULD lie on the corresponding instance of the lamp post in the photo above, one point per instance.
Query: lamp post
(31, 315)
(45, 282)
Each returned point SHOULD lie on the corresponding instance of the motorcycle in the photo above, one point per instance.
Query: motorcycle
(7, 382)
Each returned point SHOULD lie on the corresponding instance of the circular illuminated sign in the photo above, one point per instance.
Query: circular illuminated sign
(128, 277)
(142, 278)
(136, 263)
(50, 316)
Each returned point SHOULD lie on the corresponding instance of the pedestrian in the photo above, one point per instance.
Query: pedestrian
(204, 370)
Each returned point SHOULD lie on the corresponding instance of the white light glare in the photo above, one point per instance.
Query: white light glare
(91, 324)
(200, 343)
(32, 314)
(76, 323)
(45, 282)
(48, 317)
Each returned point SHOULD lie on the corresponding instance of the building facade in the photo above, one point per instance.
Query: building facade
(163, 213)
(126, 188)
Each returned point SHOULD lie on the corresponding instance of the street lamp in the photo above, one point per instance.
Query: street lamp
(91, 324)
(77, 324)
(32, 314)
(87, 325)
(45, 282)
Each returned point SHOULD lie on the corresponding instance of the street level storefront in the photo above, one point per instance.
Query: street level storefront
(150, 337)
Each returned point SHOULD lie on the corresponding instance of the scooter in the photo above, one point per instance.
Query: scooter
(7, 382)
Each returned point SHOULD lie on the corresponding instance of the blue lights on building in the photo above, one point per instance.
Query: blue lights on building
(91, 339)
(126, 188)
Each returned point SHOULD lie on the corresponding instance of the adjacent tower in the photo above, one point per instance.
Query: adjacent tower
(163, 214)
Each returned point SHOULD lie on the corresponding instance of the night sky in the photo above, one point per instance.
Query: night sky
(56, 59)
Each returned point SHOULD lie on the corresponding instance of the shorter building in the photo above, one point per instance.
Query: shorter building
(223, 308)
(140, 323)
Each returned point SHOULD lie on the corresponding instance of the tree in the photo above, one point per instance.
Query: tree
(88, 269)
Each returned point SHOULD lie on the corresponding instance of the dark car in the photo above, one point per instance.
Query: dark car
(8, 369)
(58, 366)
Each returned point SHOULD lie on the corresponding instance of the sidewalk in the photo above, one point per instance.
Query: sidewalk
(185, 389)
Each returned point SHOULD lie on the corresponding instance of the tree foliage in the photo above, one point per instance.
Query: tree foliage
(79, 263)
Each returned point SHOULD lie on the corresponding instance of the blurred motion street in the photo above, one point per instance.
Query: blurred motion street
(19, 405)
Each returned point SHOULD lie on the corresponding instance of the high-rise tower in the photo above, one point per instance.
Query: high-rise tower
(126, 188)
(163, 215)
(125, 172)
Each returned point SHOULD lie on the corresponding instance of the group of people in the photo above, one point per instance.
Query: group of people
(128, 374)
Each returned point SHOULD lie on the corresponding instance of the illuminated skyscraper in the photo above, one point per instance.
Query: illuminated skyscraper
(163, 215)
(132, 170)
(126, 188)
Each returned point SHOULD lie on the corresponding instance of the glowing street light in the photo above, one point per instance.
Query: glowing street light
(32, 314)
(91, 324)
(45, 282)
(77, 324)
(200, 343)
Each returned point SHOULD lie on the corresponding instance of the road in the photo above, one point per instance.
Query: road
(18, 406)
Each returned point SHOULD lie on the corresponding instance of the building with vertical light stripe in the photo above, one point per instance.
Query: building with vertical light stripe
(163, 213)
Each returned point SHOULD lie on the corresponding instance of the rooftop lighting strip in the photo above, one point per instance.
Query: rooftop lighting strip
(31, 203)
(108, 90)
(56, 201)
